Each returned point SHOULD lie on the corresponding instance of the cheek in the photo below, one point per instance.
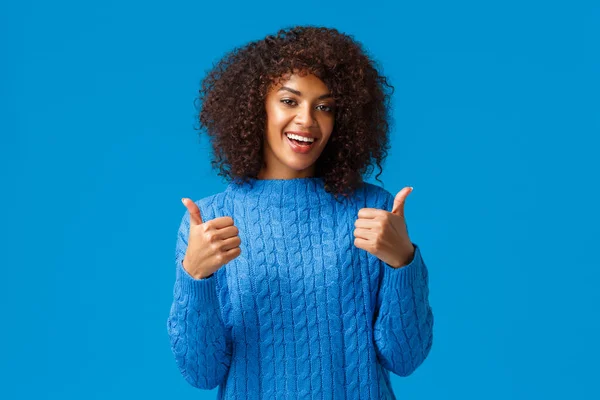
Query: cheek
(326, 125)
(277, 119)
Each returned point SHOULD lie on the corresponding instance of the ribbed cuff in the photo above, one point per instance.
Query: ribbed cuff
(204, 290)
(404, 276)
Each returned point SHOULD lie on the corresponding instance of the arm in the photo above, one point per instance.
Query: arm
(403, 328)
(195, 326)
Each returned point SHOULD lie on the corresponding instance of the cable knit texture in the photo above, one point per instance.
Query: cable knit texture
(302, 313)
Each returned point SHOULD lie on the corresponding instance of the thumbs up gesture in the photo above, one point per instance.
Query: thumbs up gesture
(211, 244)
(384, 233)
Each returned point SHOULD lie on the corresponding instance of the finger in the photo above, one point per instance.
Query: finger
(365, 234)
(400, 200)
(231, 243)
(226, 233)
(361, 243)
(370, 213)
(231, 254)
(367, 223)
(195, 217)
(220, 223)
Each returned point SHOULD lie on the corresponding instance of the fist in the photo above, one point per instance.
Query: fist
(211, 244)
(385, 234)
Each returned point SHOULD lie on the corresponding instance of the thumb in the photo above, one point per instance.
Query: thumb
(195, 217)
(400, 200)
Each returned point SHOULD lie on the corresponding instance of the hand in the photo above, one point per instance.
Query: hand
(384, 233)
(211, 244)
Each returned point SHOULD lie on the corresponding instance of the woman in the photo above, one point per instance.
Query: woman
(299, 280)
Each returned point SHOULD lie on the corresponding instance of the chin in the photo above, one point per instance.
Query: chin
(299, 167)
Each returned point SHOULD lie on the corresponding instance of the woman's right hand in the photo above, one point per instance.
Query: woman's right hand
(211, 244)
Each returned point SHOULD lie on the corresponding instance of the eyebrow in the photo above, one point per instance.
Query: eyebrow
(296, 92)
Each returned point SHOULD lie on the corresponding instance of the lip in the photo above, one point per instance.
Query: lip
(303, 134)
(296, 148)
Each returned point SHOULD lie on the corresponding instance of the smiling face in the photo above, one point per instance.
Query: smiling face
(302, 105)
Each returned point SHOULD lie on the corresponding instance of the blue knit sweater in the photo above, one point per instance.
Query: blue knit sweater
(301, 312)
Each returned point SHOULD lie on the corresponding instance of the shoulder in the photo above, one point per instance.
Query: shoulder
(214, 206)
(375, 196)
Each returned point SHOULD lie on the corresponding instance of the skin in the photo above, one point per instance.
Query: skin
(384, 234)
(309, 112)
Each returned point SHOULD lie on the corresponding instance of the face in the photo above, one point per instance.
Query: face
(303, 106)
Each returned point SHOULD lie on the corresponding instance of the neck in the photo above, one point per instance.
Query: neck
(283, 172)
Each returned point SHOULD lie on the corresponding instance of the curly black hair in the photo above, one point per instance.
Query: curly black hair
(233, 97)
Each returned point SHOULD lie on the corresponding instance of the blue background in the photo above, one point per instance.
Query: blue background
(496, 125)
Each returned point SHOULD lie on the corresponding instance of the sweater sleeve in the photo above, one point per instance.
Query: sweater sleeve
(403, 328)
(195, 325)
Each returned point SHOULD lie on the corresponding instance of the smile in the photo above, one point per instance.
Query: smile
(300, 146)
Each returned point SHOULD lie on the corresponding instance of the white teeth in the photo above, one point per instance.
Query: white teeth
(301, 138)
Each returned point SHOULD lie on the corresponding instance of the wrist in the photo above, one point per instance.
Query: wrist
(194, 274)
(407, 260)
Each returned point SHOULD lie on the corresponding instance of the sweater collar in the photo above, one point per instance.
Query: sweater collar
(274, 192)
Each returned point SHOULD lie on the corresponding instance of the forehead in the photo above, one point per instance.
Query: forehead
(308, 84)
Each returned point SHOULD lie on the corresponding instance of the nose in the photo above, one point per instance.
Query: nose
(305, 117)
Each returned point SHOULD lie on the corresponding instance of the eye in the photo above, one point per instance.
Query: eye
(286, 100)
(327, 108)
(290, 103)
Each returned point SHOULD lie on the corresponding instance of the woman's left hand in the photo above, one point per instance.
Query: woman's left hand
(384, 233)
